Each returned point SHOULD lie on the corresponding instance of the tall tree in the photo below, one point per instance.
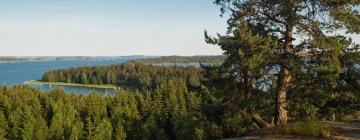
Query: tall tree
(302, 29)
(3, 125)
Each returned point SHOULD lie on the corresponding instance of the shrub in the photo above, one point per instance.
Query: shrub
(307, 128)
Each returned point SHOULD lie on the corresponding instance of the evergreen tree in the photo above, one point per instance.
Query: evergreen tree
(3, 126)
(120, 133)
(295, 30)
(84, 78)
(103, 131)
(28, 125)
(15, 124)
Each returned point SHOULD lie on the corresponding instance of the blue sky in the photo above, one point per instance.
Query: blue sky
(107, 27)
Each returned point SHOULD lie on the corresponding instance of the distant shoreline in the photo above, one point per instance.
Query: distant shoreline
(13, 59)
(36, 82)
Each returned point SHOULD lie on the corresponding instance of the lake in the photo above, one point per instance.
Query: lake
(16, 73)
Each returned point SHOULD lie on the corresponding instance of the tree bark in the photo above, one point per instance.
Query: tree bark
(280, 110)
(247, 84)
(283, 81)
(259, 121)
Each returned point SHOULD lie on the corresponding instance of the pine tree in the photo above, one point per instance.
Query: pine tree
(56, 129)
(84, 78)
(103, 131)
(3, 126)
(28, 124)
(301, 29)
(120, 133)
(14, 124)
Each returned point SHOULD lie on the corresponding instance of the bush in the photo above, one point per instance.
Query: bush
(307, 128)
(350, 117)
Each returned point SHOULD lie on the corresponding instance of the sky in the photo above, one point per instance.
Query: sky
(108, 27)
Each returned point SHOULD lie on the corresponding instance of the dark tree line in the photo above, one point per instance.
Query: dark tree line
(183, 60)
(129, 75)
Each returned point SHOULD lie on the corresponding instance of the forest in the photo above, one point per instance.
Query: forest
(183, 60)
(286, 68)
(164, 102)
(131, 75)
(171, 110)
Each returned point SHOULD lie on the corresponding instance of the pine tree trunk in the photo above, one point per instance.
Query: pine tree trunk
(247, 85)
(283, 81)
(259, 121)
(280, 110)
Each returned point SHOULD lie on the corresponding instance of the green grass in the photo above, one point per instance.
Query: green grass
(306, 128)
(350, 117)
(34, 82)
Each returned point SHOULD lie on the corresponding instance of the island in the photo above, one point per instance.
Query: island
(37, 82)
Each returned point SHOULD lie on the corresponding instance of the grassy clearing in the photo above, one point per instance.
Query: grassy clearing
(307, 128)
(35, 82)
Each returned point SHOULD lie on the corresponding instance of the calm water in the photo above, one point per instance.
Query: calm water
(16, 73)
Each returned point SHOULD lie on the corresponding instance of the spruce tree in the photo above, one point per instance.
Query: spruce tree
(301, 30)
(3, 125)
